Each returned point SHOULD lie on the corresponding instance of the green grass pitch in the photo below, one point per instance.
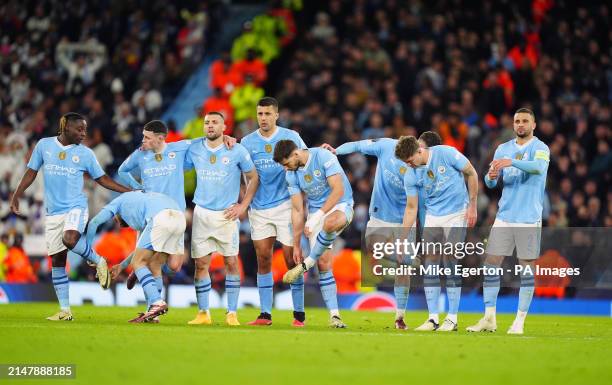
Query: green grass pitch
(107, 350)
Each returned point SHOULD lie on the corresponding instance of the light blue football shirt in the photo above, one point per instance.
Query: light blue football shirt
(272, 190)
(63, 168)
(312, 179)
(219, 171)
(442, 181)
(138, 208)
(162, 173)
(388, 200)
(523, 193)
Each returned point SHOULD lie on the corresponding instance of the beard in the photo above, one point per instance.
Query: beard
(524, 134)
(213, 136)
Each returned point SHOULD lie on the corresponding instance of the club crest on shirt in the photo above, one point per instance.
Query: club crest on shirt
(308, 178)
(172, 155)
(75, 159)
(430, 174)
(518, 156)
(268, 148)
(225, 160)
(402, 170)
(62, 155)
(317, 173)
(213, 159)
(158, 157)
(441, 169)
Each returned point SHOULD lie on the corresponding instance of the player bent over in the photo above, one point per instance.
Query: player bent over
(443, 172)
(387, 206)
(160, 168)
(318, 174)
(161, 224)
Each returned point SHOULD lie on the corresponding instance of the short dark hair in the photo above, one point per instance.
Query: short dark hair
(431, 138)
(524, 110)
(68, 117)
(406, 147)
(157, 127)
(283, 150)
(268, 101)
(215, 113)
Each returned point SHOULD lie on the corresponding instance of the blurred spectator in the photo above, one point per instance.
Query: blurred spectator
(265, 45)
(194, 128)
(244, 99)
(388, 70)
(251, 66)
(191, 37)
(17, 264)
(224, 75)
(148, 98)
(81, 61)
(453, 131)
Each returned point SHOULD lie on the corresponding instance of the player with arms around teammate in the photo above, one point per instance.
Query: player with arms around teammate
(270, 211)
(318, 174)
(215, 218)
(161, 224)
(522, 165)
(390, 208)
(449, 207)
(160, 166)
(64, 160)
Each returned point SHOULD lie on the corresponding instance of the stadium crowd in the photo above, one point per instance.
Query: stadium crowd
(118, 63)
(352, 70)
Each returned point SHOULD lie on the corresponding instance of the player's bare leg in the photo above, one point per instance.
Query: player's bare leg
(174, 264)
